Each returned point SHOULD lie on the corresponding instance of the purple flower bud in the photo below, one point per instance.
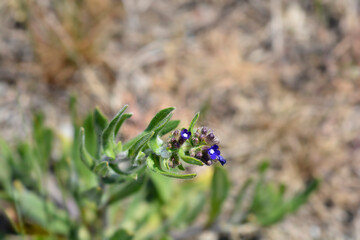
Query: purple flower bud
(204, 130)
(176, 133)
(176, 145)
(210, 137)
(195, 141)
(197, 133)
(216, 141)
(198, 155)
(169, 145)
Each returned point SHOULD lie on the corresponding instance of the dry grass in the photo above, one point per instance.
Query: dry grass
(278, 81)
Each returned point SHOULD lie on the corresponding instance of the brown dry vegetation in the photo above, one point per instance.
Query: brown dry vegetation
(277, 80)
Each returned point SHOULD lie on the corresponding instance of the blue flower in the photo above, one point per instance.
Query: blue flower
(213, 152)
(222, 160)
(185, 134)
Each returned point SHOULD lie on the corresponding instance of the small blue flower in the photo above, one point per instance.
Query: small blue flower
(185, 134)
(213, 152)
(222, 160)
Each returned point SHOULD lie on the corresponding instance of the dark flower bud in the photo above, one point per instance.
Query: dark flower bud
(202, 137)
(172, 140)
(215, 141)
(205, 148)
(208, 162)
(169, 145)
(195, 141)
(210, 137)
(204, 130)
(198, 155)
(176, 145)
(197, 133)
(176, 132)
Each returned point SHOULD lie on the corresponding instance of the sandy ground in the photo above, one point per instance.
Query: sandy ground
(276, 80)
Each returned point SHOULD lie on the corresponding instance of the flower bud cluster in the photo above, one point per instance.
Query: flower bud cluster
(205, 146)
(201, 145)
(176, 140)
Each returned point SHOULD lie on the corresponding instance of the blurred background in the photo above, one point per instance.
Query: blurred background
(276, 80)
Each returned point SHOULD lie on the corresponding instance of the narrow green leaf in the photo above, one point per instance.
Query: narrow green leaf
(219, 191)
(193, 122)
(159, 118)
(196, 209)
(163, 186)
(121, 121)
(189, 160)
(236, 213)
(302, 197)
(100, 123)
(40, 211)
(121, 234)
(126, 190)
(170, 126)
(131, 171)
(155, 142)
(134, 150)
(153, 163)
(108, 135)
(84, 155)
(90, 137)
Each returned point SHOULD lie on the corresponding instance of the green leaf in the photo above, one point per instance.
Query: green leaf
(100, 123)
(102, 169)
(126, 190)
(163, 186)
(121, 121)
(40, 211)
(153, 163)
(190, 160)
(219, 191)
(90, 137)
(43, 138)
(108, 135)
(263, 167)
(155, 142)
(159, 118)
(193, 122)
(84, 155)
(130, 172)
(170, 126)
(236, 213)
(93, 194)
(302, 197)
(121, 234)
(7, 163)
(196, 209)
(134, 150)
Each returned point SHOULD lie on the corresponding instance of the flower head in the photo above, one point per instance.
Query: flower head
(185, 134)
(214, 151)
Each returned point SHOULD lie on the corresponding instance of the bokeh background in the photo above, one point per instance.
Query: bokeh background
(276, 80)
